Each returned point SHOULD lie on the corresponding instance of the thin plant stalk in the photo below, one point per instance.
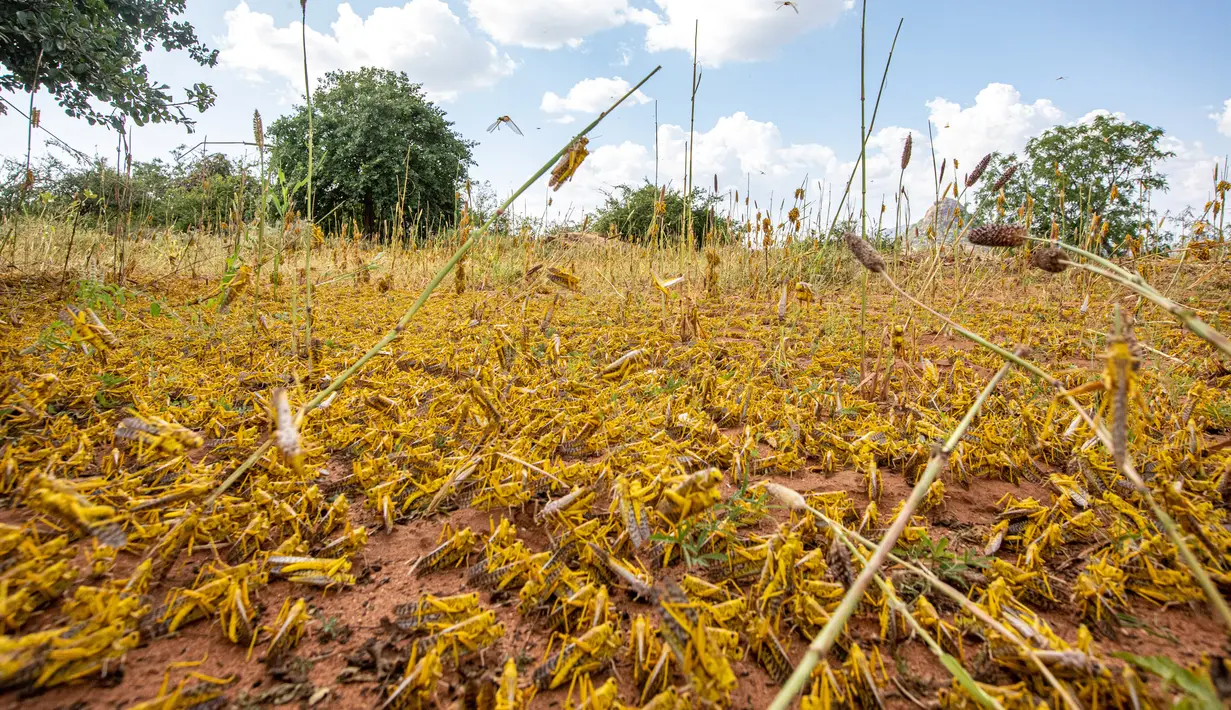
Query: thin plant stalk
(1141, 286)
(264, 208)
(402, 322)
(956, 596)
(1172, 530)
(692, 122)
(854, 595)
(837, 213)
(25, 179)
(863, 194)
(307, 254)
(1190, 560)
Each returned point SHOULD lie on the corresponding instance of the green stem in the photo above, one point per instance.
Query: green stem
(829, 633)
(863, 148)
(1185, 552)
(961, 600)
(1136, 283)
(1011, 357)
(307, 258)
(1207, 585)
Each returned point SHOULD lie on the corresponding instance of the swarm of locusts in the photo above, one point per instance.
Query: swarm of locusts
(681, 477)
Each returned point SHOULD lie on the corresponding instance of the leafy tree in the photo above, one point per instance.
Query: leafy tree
(632, 211)
(91, 49)
(364, 124)
(1070, 172)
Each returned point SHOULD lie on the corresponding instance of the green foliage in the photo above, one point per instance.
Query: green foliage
(944, 562)
(81, 50)
(1070, 172)
(968, 684)
(696, 538)
(1199, 690)
(193, 191)
(363, 124)
(631, 212)
(103, 298)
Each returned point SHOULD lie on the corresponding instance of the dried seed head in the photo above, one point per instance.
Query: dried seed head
(1005, 177)
(864, 253)
(977, 173)
(786, 496)
(258, 130)
(941, 178)
(906, 148)
(998, 235)
(1049, 259)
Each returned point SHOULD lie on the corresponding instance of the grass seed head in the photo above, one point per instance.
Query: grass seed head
(258, 130)
(864, 252)
(998, 235)
(788, 497)
(906, 148)
(977, 173)
(1049, 259)
(1005, 177)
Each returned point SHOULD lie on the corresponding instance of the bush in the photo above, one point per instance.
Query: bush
(631, 212)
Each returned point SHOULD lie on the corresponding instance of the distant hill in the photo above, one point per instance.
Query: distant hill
(949, 219)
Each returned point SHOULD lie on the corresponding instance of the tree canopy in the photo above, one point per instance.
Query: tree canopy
(80, 50)
(631, 212)
(376, 136)
(1070, 172)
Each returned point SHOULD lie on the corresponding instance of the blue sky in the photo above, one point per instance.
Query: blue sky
(779, 97)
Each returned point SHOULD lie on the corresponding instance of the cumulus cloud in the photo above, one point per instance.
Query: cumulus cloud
(997, 121)
(737, 149)
(551, 24)
(735, 30)
(740, 149)
(590, 96)
(423, 38)
(1224, 119)
(1190, 175)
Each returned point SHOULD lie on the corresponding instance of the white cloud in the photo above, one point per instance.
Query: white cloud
(1224, 119)
(738, 148)
(423, 38)
(997, 121)
(735, 30)
(550, 24)
(590, 96)
(564, 120)
(1101, 112)
(1190, 176)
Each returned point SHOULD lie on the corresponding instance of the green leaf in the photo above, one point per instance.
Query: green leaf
(155, 309)
(968, 684)
(1196, 685)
